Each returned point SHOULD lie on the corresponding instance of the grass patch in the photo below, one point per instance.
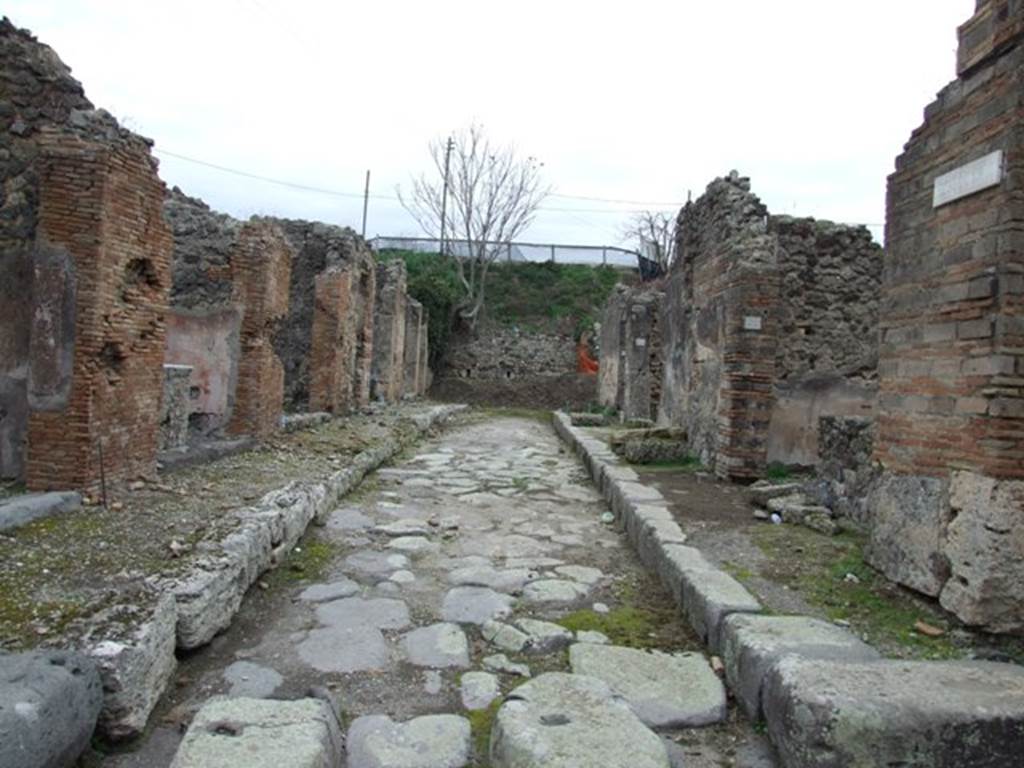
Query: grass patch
(778, 471)
(830, 573)
(480, 723)
(307, 562)
(627, 625)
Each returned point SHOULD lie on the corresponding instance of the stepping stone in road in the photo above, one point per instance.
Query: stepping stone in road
(344, 650)
(439, 645)
(261, 733)
(564, 721)
(553, 591)
(474, 605)
(478, 689)
(510, 580)
(319, 593)
(352, 612)
(665, 690)
(251, 680)
(431, 741)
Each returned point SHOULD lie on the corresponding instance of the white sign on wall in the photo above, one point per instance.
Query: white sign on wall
(973, 177)
(752, 323)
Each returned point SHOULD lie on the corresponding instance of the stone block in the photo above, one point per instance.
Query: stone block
(709, 596)
(752, 644)
(23, 509)
(985, 550)
(430, 741)
(674, 562)
(49, 702)
(261, 733)
(909, 518)
(826, 714)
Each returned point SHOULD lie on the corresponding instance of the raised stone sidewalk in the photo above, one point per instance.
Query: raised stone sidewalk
(829, 700)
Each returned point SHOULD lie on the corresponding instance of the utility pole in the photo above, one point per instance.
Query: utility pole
(366, 201)
(444, 193)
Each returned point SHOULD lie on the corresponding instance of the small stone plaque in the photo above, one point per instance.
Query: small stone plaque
(973, 177)
(640, 342)
(752, 323)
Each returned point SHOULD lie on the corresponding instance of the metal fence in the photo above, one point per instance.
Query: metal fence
(590, 255)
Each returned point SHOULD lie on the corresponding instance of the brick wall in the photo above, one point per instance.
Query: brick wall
(333, 344)
(641, 355)
(388, 374)
(951, 369)
(101, 206)
(609, 373)
(261, 265)
(424, 376)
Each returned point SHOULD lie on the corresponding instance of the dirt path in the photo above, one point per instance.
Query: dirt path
(386, 607)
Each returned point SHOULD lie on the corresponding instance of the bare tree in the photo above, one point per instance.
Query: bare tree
(654, 233)
(493, 194)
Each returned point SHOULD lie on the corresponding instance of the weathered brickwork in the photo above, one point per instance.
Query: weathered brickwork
(319, 248)
(413, 327)
(425, 376)
(174, 407)
(611, 350)
(639, 378)
(261, 266)
(333, 381)
(388, 372)
(100, 204)
(951, 369)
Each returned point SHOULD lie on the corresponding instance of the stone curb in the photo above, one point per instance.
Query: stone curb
(25, 508)
(193, 608)
(785, 667)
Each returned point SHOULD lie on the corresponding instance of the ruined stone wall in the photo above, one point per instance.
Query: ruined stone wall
(413, 328)
(84, 255)
(425, 376)
(829, 276)
(499, 353)
(721, 319)
(947, 512)
(388, 372)
(609, 391)
(320, 247)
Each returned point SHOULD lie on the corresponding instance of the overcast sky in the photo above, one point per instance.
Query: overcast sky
(638, 101)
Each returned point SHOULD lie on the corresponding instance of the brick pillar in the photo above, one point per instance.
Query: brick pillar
(261, 266)
(423, 376)
(389, 331)
(413, 324)
(104, 250)
(333, 345)
(949, 506)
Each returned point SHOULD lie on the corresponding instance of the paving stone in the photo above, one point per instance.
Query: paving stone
(405, 527)
(414, 545)
(49, 703)
(571, 721)
(352, 612)
(353, 649)
(581, 573)
(474, 605)
(499, 662)
(752, 643)
(438, 645)
(431, 741)
(349, 520)
(533, 563)
(402, 577)
(508, 580)
(319, 593)
(591, 636)
(251, 680)
(665, 690)
(432, 682)
(503, 636)
(261, 733)
(478, 689)
(371, 562)
(544, 637)
(827, 714)
(553, 591)
(600, 608)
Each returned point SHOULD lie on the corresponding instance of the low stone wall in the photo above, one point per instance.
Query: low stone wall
(827, 698)
(507, 353)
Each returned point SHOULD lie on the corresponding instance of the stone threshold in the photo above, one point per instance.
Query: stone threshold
(827, 698)
(137, 660)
